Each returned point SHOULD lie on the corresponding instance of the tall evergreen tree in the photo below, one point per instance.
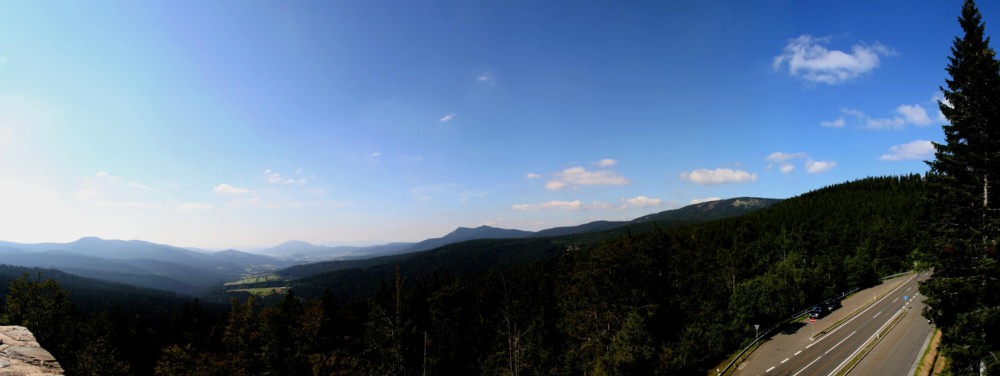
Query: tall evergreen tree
(963, 295)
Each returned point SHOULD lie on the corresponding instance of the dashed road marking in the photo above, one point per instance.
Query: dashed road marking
(876, 315)
(807, 365)
(841, 341)
(797, 353)
(769, 369)
(783, 361)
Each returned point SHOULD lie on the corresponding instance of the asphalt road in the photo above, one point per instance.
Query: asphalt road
(796, 354)
(897, 353)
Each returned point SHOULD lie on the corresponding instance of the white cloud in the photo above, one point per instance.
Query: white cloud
(919, 149)
(835, 123)
(231, 190)
(575, 205)
(905, 115)
(551, 205)
(808, 59)
(532, 175)
(607, 162)
(555, 185)
(193, 206)
(782, 157)
(718, 176)
(276, 178)
(787, 168)
(599, 205)
(447, 118)
(373, 157)
(815, 167)
(914, 114)
(576, 176)
(643, 201)
(706, 199)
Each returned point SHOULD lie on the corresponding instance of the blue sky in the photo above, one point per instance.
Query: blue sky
(248, 123)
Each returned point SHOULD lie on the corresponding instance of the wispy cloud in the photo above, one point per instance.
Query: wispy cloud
(815, 167)
(807, 58)
(230, 190)
(551, 205)
(782, 156)
(575, 205)
(607, 162)
(718, 176)
(706, 199)
(835, 123)
(486, 78)
(447, 118)
(643, 201)
(274, 177)
(784, 160)
(577, 176)
(904, 115)
(916, 150)
(532, 175)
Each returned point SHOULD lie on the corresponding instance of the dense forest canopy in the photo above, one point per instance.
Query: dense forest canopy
(645, 300)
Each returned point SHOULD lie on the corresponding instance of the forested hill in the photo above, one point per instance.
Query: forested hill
(644, 300)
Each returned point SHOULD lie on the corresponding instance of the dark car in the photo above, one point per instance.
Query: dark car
(832, 304)
(818, 311)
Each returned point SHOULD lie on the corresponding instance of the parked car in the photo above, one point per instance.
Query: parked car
(832, 304)
(818, 311)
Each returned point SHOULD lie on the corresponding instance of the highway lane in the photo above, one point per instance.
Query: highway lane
(897, 353)
(798, 355)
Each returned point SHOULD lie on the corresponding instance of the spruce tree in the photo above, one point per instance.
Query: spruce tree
(962, 196)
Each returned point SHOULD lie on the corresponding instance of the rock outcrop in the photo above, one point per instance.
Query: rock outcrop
(20, 354)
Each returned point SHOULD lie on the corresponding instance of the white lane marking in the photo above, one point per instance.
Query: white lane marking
(908, 288)
(769, 369)
(841, 341)
(894, 300)
(811, 344)
(877, 332)
(876, 315)
(863, 311)
(783, 361)
(807, 366)
(797, 353)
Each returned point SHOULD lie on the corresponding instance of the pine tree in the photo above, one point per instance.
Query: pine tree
(962, 295)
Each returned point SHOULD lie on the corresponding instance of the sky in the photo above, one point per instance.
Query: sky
(248, 123)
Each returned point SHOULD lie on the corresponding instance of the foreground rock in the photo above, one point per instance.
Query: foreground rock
(21, 355)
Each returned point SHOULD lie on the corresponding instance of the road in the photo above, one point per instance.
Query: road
(796, 354)
(897, 353)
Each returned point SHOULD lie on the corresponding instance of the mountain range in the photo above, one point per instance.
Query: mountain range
(190, 272)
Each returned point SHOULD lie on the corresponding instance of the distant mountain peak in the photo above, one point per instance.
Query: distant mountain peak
(711, 210)
(296, 243)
